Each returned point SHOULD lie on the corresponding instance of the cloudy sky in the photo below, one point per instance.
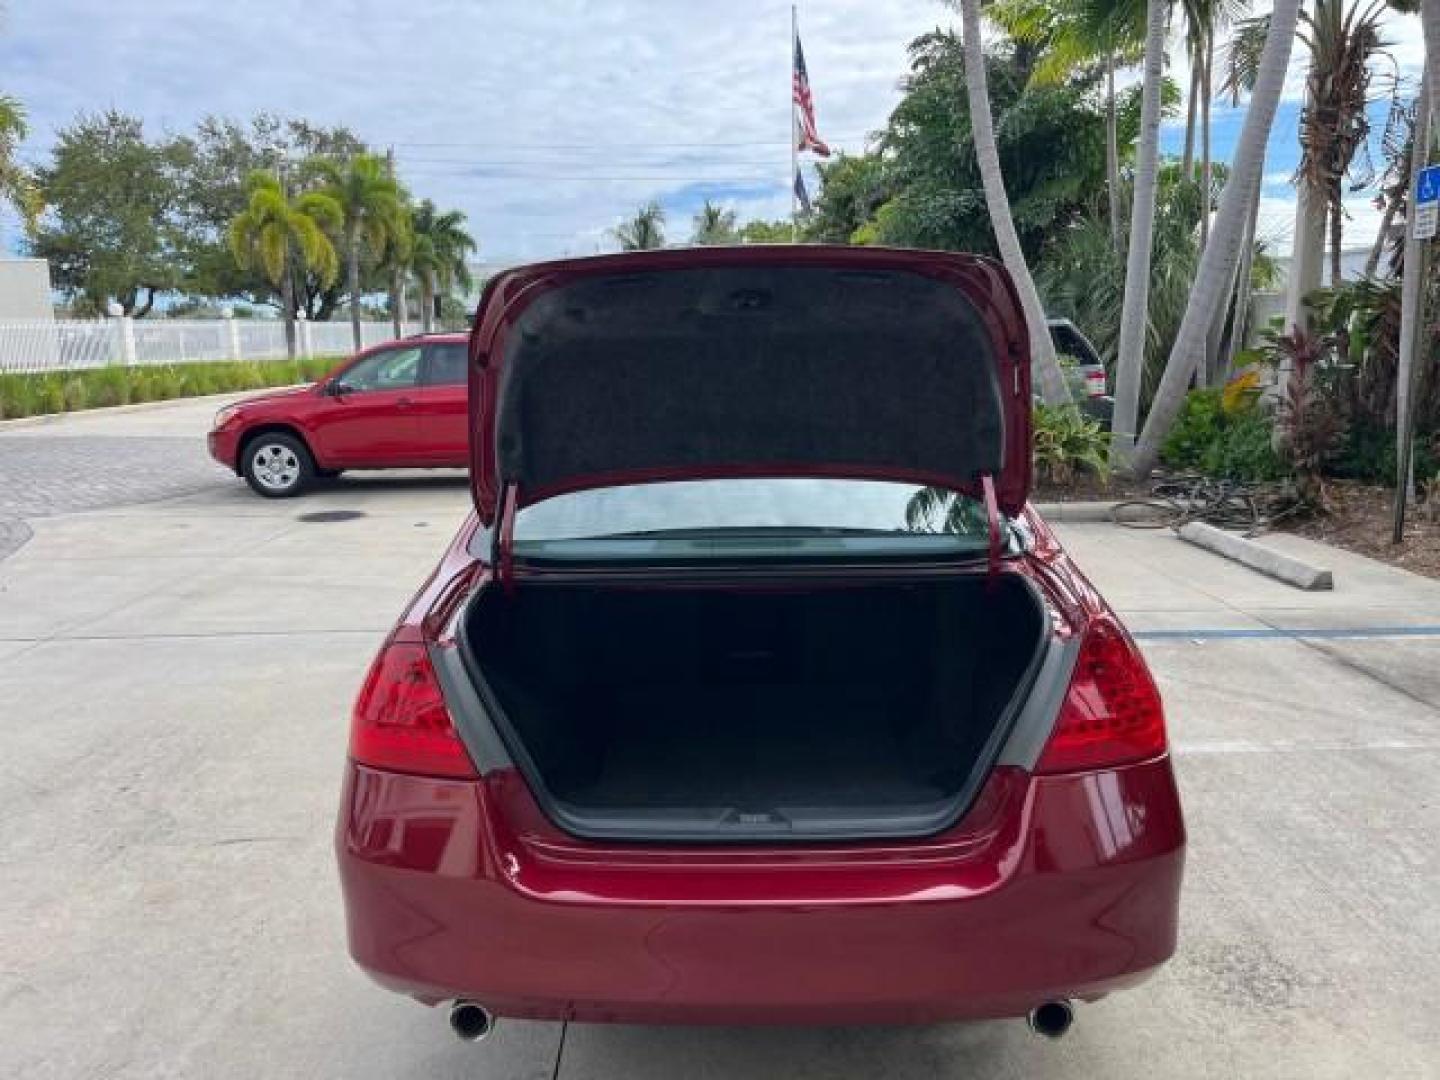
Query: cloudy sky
(545, 121)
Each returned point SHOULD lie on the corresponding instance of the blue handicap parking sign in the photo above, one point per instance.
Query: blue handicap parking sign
(1427, 187)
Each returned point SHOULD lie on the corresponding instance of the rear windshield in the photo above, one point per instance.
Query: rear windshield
(782, 517)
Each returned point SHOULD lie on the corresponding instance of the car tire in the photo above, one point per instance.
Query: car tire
(277, 465)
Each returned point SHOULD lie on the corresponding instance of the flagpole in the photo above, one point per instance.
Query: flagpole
(794, 150)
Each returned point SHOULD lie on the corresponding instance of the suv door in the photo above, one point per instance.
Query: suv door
(370, 415)
(443, 428)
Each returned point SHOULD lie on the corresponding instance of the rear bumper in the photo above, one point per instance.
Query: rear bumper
(1051, 887)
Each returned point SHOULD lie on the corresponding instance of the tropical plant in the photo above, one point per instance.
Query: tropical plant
(280, 235)
(1343, 39)
(714, 225)
(1049, 377)
(643, 231)
(1308, 410)
(922, 185)
(1074, 34)
(371, 203)
(1227, 437)
(1067, 442)
(1214, 280)
(17, 187)
(438, 257)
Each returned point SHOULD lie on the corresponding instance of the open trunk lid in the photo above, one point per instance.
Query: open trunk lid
(801, 361)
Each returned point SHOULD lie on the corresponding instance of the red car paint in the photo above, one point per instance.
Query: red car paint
(1049, 887)
(424, 426)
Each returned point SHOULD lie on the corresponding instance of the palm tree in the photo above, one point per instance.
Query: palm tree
(1217, 266)
(1342, 39)
(16, 186)
(1430, 21)
(371, 203)
(644, 231)
(714, 225)
(1135, 311)
(282, 235)
(1052, 386)
(438, 257)
(1072, 34)
(398, 262)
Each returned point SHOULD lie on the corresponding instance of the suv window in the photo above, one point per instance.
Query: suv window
(446, 364)
(392, 369)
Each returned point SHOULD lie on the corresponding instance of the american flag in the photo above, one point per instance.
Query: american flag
(806, 136)
(801, 195)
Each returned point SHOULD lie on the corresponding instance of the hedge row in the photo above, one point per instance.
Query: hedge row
(68, 391)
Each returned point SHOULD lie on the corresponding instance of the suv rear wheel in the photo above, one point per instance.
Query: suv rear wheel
(277, 465)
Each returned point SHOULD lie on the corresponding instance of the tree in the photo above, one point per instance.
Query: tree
(1217, 265)
(17, 187)
(1051, 380)
(398, 263)
(852, 188)
(642, 232)
(279, 235)
(1135, 309)
(921, 187)
(371, 205)
(713, 225)
(1074, 34)
(1342, 39)
(766, 232)
(110, 228)
(217, 160)
(438, 257)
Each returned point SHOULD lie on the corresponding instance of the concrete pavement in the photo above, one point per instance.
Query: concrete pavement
(175, 676)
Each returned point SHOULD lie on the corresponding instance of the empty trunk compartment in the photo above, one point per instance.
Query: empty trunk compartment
(795, 710)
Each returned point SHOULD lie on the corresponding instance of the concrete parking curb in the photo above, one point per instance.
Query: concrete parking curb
(1258, 557)
(139, 406)
(1075, 512)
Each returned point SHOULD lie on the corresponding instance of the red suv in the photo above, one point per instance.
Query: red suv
(399, 405)
(753, 690)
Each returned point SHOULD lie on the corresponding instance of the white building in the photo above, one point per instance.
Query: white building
(25, 290)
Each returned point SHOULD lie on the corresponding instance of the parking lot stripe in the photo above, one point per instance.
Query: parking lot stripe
(1289, 634)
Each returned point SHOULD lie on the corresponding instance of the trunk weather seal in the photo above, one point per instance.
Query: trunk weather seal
(721, 830)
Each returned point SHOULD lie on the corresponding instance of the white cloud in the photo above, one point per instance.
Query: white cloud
(546, 122)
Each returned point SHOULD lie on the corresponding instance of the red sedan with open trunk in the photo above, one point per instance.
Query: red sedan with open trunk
(753, 690)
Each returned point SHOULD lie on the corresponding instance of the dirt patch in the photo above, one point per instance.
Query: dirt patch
(1360, 521)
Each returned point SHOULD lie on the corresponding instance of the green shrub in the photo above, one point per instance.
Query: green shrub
(62, 391)
(1066, 443)
(1367, 452)
(1235, 444)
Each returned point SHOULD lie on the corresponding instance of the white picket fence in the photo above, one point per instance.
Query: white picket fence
(34, 346)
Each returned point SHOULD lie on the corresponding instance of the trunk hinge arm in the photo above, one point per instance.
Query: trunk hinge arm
(502, 537)
(992, 520)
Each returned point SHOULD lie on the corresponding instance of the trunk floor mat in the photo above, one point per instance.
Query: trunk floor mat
(754, 748)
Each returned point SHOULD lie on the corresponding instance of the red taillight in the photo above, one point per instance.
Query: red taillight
(401, 722)
(1095, 383)
(1112, 713)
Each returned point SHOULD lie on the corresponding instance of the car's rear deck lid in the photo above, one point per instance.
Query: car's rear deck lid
(728, 362)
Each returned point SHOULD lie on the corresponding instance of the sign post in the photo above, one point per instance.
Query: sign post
(1423, 226)
(1427, 202)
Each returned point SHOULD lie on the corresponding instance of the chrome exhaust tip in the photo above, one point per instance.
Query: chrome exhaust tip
(1052, 1019)
(470, 1021)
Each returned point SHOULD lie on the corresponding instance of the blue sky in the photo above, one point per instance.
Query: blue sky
(545, 121)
